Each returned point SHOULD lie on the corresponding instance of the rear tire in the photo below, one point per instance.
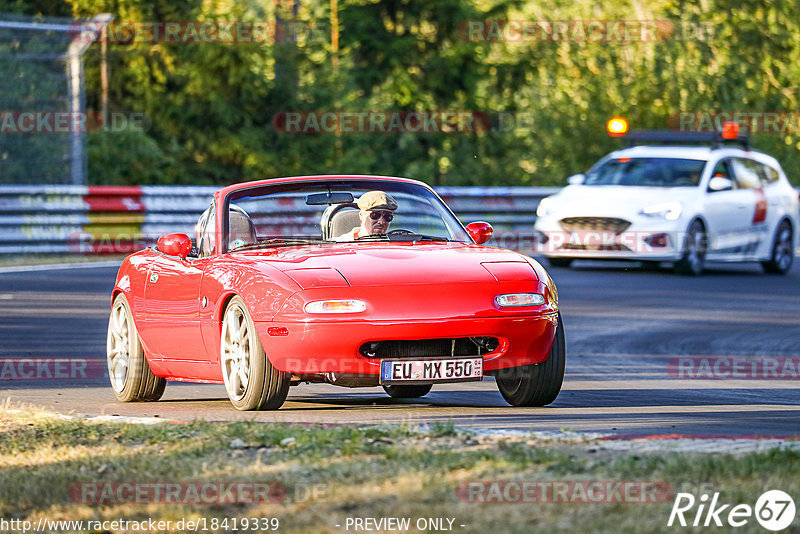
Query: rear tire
(252, 383)
(695, 247)
(538, 384)
(130, 375)
(560, 262)
(782, 251)
(407, 392)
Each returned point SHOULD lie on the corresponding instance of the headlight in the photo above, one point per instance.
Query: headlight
(670, 211)
(519, 299)
(545, 207)
(335, 306)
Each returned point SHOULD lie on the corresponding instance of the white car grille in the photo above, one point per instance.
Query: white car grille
(594, 224)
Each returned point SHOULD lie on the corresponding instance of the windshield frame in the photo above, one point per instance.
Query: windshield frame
(453, 225)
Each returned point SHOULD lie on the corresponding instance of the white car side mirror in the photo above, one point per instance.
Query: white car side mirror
(576, 179)
(720, 183)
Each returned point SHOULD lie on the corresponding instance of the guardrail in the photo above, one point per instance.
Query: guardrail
(117, 220)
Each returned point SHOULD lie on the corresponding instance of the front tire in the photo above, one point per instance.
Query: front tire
(130, 375)
(695, 248)
(407, 392)
(782, 251)
(252, 383)
(538, 384)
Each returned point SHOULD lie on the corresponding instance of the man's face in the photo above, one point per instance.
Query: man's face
(370, 225)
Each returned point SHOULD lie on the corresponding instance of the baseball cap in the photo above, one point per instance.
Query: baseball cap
(377, 200)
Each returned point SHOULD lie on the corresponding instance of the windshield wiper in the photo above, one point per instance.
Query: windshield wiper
(279, 242)
(424, 237)
(410, 236)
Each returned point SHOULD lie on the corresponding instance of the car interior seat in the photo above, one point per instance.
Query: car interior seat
(241, 229)
(339, 219)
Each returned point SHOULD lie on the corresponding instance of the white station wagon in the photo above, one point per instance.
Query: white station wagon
(685, 204)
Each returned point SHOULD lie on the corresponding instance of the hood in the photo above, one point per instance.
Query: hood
(367, 264)
(613, 200)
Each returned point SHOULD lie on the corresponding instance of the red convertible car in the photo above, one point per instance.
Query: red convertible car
(349, 280)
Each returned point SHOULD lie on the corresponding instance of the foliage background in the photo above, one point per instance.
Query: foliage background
(209, 107)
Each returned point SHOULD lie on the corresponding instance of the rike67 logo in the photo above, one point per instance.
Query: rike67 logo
(774, 510)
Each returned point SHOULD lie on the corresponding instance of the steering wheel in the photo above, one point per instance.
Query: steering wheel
(400, 231)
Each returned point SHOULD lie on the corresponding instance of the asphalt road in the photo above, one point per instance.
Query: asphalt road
(624, 327)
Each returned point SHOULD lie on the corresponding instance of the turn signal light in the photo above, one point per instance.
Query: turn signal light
(519, 299)
(335, 306)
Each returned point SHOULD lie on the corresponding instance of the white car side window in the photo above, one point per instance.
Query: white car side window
(770, 174)
(723, 170)
(746, 174)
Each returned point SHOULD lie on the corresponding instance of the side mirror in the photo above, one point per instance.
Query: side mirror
(480, 231)
(576, 179)
(720, 183)
(174, 245)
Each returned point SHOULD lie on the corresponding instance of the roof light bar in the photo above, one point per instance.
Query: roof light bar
(683, 138)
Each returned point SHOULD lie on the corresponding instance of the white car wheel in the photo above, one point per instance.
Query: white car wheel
(252, 383)
(695, 247)
(782, 251)
(130, 375)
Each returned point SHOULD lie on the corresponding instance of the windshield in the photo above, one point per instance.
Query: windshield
(655, 172)
(329, 211)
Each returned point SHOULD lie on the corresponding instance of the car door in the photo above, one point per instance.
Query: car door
(172, 309)
(776, 199)
(750, 178)
(728, 213)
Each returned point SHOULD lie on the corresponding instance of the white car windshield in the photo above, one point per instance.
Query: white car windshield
(653, 172)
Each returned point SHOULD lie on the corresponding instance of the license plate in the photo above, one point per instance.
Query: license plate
(434, 370)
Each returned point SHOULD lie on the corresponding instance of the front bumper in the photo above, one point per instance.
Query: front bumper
(333, 347)
(647, 242)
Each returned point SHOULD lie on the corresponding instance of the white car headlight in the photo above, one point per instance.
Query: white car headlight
(670, 211)
(546, 207)
(335, 306)
(519, 299)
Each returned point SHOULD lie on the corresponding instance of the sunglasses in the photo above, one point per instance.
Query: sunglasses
(387, 215)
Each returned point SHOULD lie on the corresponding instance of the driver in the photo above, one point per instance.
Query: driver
(376, 214)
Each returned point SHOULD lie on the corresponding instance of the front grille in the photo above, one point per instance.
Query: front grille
(422, 348)
(594, 224)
